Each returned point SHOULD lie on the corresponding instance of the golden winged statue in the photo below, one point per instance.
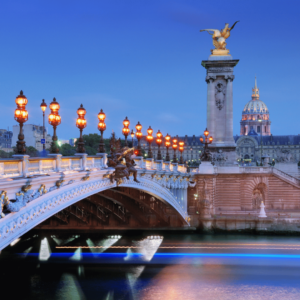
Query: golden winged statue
(219, 36)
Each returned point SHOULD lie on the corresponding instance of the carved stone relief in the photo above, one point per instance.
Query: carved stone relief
(210, 78)
(220, 70)
(220, 91)
(284, 155)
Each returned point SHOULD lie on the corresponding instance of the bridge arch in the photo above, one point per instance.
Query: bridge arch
(15, 224)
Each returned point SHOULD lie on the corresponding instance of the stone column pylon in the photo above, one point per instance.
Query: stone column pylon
(210, 105)
(219, 78)
(229, 109)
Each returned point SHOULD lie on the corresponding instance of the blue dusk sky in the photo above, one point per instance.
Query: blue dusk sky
(142, 59)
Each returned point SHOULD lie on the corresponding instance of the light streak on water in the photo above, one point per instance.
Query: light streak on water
(102, 245)
(45, 251)
(77, 255)
(15, 242)
(177, 247)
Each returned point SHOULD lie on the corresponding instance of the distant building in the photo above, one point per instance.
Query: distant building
(191, 153)
(72, 141)
(62, 142)
(255, 115)
(5, 139)
(33, 135)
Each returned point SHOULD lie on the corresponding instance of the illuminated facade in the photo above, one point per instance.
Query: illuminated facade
(255, 116)
(33, 135)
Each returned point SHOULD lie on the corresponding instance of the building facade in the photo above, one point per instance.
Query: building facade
(5, 139)
(33, 135)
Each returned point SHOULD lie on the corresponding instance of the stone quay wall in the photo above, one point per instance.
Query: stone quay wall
(231, 202)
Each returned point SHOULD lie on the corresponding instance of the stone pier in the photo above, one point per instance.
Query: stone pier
(219, 78)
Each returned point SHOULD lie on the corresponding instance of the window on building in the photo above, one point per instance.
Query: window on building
(258, 129)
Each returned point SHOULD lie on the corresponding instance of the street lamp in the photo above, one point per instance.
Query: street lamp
(21, 116)
(132, 136)
(101, 127)
(159, 137)
(181, 148)
(167, 144)
(43, 107)
(149, 140)
(139, 135)
(126, 130)
(260, 120)
(54, 119)
(205, 156)
(174, 146)
(81, 124)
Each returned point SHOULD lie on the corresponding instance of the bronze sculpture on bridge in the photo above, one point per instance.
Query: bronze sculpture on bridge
(116, 160)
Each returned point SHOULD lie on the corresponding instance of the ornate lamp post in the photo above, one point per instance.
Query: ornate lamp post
(205, 156)
(21, 116)
(81, 124)
(159, 137)
(54, 120)
(174, 146)
(181, 148)
(43, 107)
(149, 140)
(260, 120)
(101, 127)
(167, 144)
(132, 136)
(126, 130)
(139, 135)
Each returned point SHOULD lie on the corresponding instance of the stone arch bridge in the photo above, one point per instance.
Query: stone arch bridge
(34, 189)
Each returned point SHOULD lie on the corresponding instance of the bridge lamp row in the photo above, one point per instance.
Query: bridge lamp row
(54, 119)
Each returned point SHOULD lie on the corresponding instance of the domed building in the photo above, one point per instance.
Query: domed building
(255, 116)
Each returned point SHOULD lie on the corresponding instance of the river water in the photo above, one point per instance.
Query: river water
(146, 267)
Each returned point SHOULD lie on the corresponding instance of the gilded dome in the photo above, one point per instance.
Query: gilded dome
(255, 106)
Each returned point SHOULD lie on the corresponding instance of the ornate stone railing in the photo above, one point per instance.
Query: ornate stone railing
(286, 176)
(25, 166)
(255, 170)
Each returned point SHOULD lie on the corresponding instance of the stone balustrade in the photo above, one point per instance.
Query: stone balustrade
(24, 166)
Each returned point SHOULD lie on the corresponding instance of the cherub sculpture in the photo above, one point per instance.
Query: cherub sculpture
(219, 36)
(122, 169)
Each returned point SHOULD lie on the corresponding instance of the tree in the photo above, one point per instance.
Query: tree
(32, 152)
(4, 154)
(91, 143)
(67, 150)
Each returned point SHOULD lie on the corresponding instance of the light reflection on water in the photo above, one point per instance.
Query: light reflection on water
(195, 267)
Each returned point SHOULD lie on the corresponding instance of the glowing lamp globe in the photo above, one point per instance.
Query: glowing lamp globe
(126, 122)
(101, 116)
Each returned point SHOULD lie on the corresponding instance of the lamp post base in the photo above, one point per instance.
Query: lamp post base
(54, 149)
(101, 148)
(80, 146)
(20, 147)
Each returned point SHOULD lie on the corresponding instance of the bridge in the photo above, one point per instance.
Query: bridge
(35, 189)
